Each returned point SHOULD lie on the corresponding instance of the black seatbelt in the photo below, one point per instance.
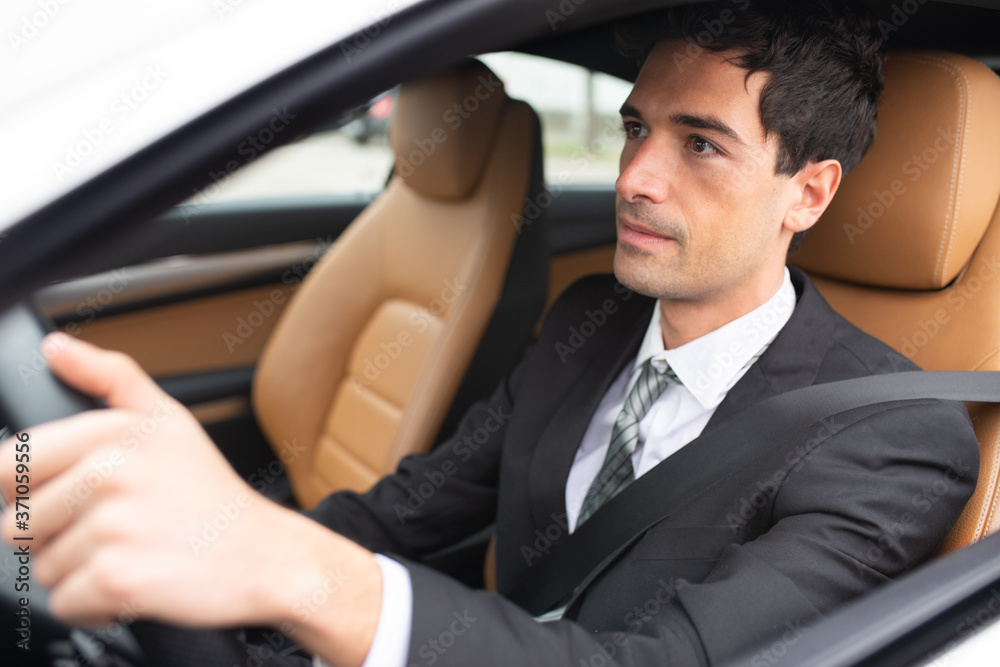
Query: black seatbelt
(718, 452)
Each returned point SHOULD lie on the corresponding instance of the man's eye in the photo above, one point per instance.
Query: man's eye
(634, 130)
(703, 146)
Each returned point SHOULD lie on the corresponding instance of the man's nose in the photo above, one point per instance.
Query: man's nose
(644, 173)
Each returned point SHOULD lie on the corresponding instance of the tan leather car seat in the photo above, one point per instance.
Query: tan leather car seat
(373, 345)
(909, 249)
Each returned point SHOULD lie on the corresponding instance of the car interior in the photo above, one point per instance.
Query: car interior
(320, 339)
(433, 259)
(394, 312)
(906, 249)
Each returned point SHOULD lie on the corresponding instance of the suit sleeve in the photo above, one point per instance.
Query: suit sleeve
(852, 512)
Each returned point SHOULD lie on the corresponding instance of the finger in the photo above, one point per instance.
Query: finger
(107, 374)
(72, 548)
(56, 446)
(69, 497)
(87, 596)
(68, 552)
(49, 510)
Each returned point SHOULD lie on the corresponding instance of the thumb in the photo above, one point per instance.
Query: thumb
(113, 376)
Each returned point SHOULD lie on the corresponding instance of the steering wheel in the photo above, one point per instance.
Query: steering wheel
(30, 395)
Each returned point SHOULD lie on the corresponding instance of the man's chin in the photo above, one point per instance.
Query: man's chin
(642, 279)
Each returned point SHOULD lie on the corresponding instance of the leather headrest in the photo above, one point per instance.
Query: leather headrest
(443, 129)
(911, 214)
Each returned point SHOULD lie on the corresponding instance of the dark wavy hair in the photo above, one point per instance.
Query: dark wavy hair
(825, 59)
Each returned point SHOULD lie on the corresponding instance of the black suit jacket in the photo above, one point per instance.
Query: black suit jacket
(808, 525)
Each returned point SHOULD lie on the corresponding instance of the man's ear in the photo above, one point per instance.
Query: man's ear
(814, 186)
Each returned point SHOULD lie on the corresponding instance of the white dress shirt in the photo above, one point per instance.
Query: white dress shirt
(707, 367)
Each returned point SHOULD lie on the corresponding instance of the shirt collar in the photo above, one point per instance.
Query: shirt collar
(709, 366)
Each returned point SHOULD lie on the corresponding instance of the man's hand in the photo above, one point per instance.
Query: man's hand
(135, 507)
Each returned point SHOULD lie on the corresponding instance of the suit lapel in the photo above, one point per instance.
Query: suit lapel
(792, 361)
(556, 449)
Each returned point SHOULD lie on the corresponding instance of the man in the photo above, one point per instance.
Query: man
(731, 151)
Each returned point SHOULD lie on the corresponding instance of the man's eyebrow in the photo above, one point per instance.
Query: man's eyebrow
(629, 110)
(691, 120)
(706, 123)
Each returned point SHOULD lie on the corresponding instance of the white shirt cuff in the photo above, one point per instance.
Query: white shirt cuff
(391, 645)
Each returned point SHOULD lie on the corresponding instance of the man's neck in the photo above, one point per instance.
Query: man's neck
(682, 321)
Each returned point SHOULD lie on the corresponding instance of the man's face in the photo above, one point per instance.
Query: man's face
(699, 207)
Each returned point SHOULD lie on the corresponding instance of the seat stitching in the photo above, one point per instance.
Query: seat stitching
(954, 196)
(988, 512)
(370, 388)
(979, 365)
(474, 265)
(376, 395)
(958, 167)
(992, 506)
(344, 450)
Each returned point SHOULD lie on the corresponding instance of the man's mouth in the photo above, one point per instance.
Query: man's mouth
(637, 235)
